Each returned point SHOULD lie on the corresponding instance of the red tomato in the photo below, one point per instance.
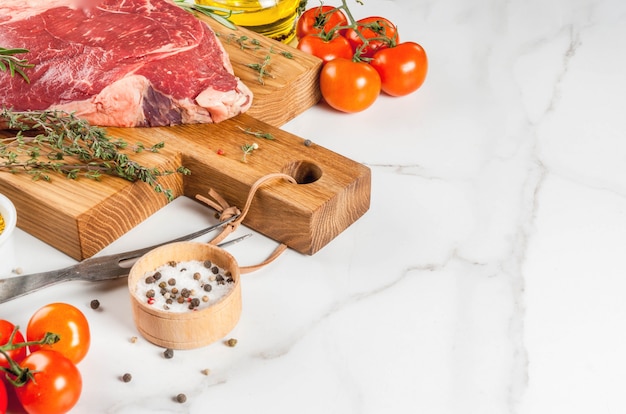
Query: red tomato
(55, 386)
(66, 321)
(378, 30)
(402, 69)
(349, 86)
(316, 19)
(326, 50)
(6, 329)
(4, 399)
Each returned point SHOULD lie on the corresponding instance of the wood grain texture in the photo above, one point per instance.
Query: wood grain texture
(333, 191)
(292, 84)
(82, 217)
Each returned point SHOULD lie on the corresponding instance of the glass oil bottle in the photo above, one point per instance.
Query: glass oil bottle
(271, 18)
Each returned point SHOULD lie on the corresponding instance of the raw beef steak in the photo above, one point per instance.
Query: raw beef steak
(119, 62)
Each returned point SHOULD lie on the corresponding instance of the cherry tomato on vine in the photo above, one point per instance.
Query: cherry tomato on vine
(326, 50)
(402, 68)
(4, 399)
(66, 321)
(313, 20)
(56, 384)
(349, 86)
(6, 329)
(372, 28)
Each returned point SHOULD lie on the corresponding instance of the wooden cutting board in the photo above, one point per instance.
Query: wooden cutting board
(81, 217)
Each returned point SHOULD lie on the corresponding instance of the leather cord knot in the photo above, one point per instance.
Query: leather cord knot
(225, 210)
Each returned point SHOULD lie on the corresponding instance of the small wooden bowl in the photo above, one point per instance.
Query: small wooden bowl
(190, 329)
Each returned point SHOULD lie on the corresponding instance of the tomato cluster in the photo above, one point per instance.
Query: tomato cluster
(360, 58)
(42, 370)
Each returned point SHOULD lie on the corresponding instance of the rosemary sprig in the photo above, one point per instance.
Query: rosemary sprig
(258, 134)
(46, 142)
(14, 65)
(219, 14)
(262, 68)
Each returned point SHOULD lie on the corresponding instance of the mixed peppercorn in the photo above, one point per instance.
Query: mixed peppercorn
(185, 284)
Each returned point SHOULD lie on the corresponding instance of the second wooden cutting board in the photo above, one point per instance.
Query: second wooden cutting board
(289, 85)
(82, 217)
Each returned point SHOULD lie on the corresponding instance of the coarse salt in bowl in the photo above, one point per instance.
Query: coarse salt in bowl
(9, 218)
(201, 305)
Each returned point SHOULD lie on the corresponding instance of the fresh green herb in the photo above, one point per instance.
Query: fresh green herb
(219, 14)
(244, 42)
(241, 40)
(262, 68)
(247, 150)
(284, 53)
(14, 65)
(47, 142)
(258, 134)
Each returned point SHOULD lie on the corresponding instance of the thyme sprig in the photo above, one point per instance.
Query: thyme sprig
(247, 149)
(219, 14)
(8, 61)
(258, 134)
(261, 68)
(45, 142)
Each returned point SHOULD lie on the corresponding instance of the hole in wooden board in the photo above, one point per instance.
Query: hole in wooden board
(303, 172)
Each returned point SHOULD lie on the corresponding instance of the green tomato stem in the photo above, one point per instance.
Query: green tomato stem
(15, 374)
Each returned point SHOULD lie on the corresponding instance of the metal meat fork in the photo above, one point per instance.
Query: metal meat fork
(92, 269)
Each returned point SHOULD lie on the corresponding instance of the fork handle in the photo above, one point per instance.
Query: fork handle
(14, 287)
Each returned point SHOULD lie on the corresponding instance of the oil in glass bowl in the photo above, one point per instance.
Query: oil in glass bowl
(271, 18)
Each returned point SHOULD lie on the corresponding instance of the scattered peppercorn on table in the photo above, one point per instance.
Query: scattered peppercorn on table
(486, 276)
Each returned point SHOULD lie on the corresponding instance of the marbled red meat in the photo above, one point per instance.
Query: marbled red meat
(119, 62)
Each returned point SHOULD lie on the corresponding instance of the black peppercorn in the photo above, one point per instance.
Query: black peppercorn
(168, 353)
(95, 304)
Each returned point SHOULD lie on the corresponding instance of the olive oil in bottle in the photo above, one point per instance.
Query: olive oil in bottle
(271, 18)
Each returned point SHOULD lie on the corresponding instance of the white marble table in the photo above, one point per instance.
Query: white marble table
(488, 276)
